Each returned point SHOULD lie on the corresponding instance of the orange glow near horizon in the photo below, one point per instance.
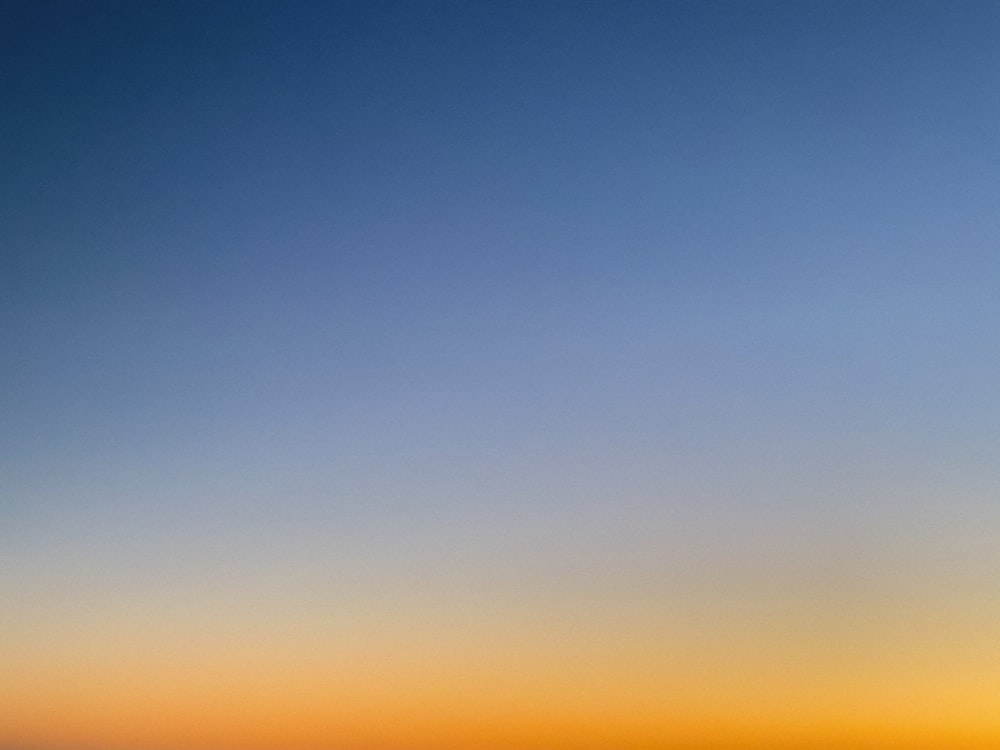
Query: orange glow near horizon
(498, 688)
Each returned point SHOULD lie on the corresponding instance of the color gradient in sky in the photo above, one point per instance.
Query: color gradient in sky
(499, 376)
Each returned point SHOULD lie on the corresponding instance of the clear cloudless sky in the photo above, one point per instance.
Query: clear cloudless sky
(517, 375)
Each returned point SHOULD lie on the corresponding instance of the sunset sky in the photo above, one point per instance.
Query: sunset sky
(499, 375)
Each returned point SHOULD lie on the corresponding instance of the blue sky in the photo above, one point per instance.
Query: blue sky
(644, 290)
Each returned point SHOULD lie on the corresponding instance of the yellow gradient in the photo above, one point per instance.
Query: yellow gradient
(727, 675)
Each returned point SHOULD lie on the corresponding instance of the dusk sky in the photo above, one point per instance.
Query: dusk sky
(499, 376)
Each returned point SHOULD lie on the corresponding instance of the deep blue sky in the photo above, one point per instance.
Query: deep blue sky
(557, 282)
(294, 228)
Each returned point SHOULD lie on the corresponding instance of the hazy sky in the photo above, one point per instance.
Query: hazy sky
(499, 375)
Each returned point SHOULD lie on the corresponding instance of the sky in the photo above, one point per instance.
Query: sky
(499, 376)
